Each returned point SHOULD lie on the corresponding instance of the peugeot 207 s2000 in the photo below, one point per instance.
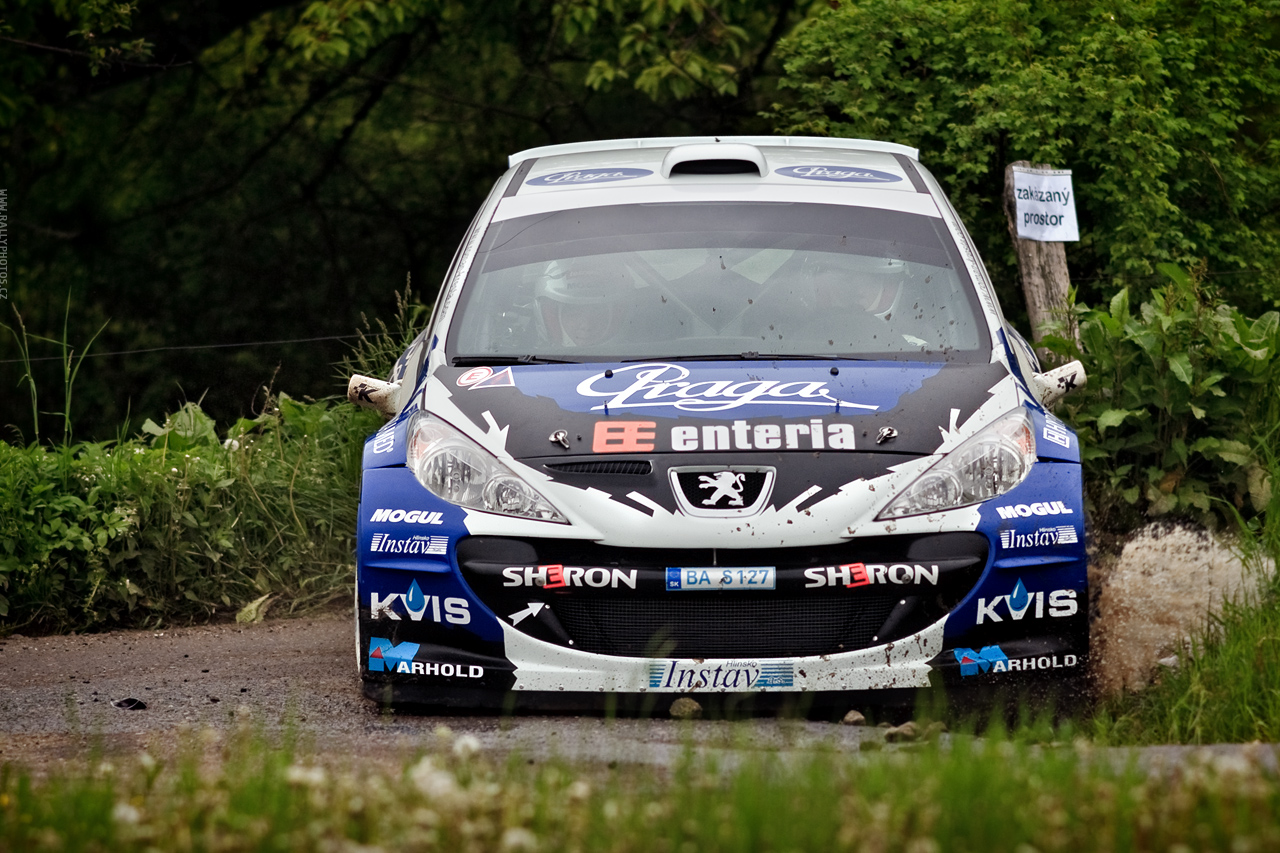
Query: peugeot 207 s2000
(734, 415)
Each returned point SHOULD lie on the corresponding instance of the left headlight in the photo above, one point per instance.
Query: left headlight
(987, 465)
(455, 468)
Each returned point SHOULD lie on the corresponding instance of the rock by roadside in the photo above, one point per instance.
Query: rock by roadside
(1154, 595)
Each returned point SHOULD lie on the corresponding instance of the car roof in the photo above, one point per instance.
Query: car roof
(858, 172)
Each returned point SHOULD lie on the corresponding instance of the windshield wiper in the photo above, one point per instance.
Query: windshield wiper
(498, 360)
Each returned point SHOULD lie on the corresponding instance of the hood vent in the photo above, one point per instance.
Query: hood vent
(716, 158)
(611, 466)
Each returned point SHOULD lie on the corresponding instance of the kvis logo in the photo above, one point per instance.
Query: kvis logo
(1020, 604)
(457, 611)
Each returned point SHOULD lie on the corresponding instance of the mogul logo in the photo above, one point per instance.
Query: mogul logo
(413, 516)
(456, 611)
(1064, 535)
(993, 659)
(663, 385)
(1020, 603)
(384, 442)
(1028, 510)
(384, 543)
(864, 574)
(720, 675)
(385, 656)
(557, 576)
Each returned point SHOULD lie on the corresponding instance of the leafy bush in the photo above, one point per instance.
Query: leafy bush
(1163, 109)
(179, 527)
(1182, 410)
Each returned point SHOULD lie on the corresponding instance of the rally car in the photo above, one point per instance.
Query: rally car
(734, 415)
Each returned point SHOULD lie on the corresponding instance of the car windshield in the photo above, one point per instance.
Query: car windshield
(718, 280)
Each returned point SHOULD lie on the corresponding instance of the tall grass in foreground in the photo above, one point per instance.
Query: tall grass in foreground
(973, 796)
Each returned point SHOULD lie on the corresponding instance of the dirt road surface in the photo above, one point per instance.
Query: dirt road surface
(57, 695)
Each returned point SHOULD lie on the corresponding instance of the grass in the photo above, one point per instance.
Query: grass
(246, 793)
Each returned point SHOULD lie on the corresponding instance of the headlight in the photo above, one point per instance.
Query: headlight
(987, 465)
(455, 468)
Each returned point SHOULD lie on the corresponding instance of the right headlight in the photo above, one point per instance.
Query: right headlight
(987, 465)
(455, 468)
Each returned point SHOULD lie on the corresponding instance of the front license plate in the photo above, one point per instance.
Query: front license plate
(739, 577)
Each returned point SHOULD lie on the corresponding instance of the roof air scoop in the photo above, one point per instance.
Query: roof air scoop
(715, 158)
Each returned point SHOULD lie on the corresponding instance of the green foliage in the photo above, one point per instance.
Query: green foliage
(1181, 413)
(279, 167)
(178, 527)
(1163, 109)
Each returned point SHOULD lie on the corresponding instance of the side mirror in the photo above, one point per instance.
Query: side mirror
(1052, 385)
(374, 394)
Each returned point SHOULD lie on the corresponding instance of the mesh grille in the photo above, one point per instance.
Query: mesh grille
(610, 467)
(714, 625)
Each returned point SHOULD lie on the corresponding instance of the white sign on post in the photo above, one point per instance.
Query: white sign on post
(1045, 205)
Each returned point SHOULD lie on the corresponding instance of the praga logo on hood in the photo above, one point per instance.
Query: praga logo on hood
(664, 385)
(674, 390)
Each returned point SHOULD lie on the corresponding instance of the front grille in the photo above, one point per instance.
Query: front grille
(719, 625)
(615, 601)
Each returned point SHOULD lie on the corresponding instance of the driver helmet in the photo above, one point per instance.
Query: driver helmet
(581, 302)
(869, 284)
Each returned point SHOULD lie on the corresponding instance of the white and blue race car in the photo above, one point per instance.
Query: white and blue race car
(698, 415)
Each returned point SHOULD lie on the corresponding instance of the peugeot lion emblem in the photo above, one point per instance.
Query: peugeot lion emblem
(718, 491)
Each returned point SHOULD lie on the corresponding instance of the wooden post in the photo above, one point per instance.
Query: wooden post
(1043, 267)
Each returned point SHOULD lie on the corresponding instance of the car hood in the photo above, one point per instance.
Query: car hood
(615, 446)
(690, 408)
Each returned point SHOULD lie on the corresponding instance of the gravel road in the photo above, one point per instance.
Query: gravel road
(57, 694)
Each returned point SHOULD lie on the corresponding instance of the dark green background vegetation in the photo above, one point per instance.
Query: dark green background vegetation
(181, 176)
(203, 173)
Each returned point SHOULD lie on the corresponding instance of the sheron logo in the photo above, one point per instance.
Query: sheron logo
(386, 656)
